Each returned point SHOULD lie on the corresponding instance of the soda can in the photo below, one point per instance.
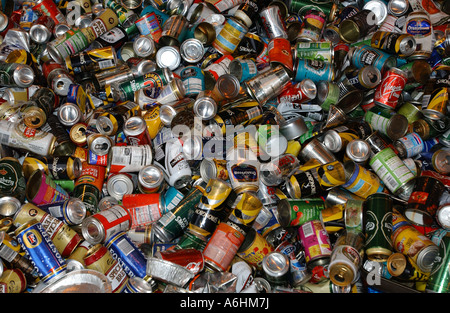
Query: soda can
(316, 242)
(378, 226)
(49, 8)
(230, 36)
(274, 24)
(358, 26)
(424, 201)
(280, 53)
(99, 258)
(254, 248)
(296, 212)
(42, 29)
(360, 181)
(393, 172)
(388, 92)
(276, 266)
(407, 240)
(16, 75)
(71, 211)
(70, 43)
(144, 208)
(151, 179)
(39, 248)
(127, 254)
(314, 70)
(129, 158)
(136, 131)
(100, 226)
(409, 146)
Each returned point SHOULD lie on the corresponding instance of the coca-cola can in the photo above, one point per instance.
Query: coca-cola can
(136, 131)
(298, 93)
(190, 258)
(390, 89)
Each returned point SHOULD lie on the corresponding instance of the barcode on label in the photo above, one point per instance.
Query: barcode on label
(105, 64)
(307, 230)
(4, 138)
(125, 247)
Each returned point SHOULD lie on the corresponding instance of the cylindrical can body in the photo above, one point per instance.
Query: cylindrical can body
(254, 248)
(315, 70)
(40, 249)
(129, 158)
(12, 281)
(144, 208)
(360, 181)
(296, 212)
(378, 226)
(409, 146)
(315, 240)
(390, 88)
(280, 52)
(230, 36)
(41, 189)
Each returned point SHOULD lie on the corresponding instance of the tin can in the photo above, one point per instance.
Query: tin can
(387, 122)
(296, 212)
(409, 146)
(346, 258)
(92, 61)
(222, 247)
(12, 281)
(424, 201)
(360, 181)
(151, 179)
(317, 50)
(41, 189)
(276, 267)
(358, 26)
(193, 79)
(127, 254)
(230, 36)
(316, 242)
(316, 150)
(280, 53)
(407, 240)
(213, 168)
(274, 25)
(393, 172)
(149, 24)
(314, 70)
(243, 69)
(38, 246)
(254, 248)
(172, 224)
(389, 90)
(120, 184)
(366, 55)
(71, 211)
(98, 258)
(129, 158)
(378, 226)
(327, 94)
(268, 84)
(312, 27)
(144, 208)
(438, 280)
(99, 227)
(336, 140)
(174, 30)
(402, 45)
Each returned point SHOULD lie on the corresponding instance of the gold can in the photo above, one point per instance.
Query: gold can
(254, 248)
(5, 224)
(98, 258)
(153, 121)
(76, 258)
(63, 237)
(331, 174)
(12, 281)
(77, 134)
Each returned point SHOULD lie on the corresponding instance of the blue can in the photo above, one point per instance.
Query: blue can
(366, 55)
(71, 211)
(193, 80)
(127, 254)
(172, 197)
(40, 249)
(316, 70)
(243, 69)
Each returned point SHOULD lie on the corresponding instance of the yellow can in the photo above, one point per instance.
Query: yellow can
(153, 121)
(254, 248)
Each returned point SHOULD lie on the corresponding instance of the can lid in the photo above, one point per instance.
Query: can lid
(76, 210)
(166, 114)
(358, 150)
(9, 205)
(293, 128)
(427, 257)
(168, 56)
(192, 50)
(69, 114)
(441, 161)
(408, 45)
(205, 108)
(107, 202)
(275, 264)
(150, 176)
(40, 33)
(144, 46)
(309, 88)
(134, 125)
(332, 141)
(379, 8)
(397, 126)
(23, 75)
(283, 213)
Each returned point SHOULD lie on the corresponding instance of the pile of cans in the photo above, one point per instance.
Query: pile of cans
(232, 146)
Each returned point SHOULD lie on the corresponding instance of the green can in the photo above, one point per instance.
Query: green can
(66, 184)
(327, 94)
(387, 121)
(295, 212)
(317, 50)
(378, 226)
(329, 8)
(12, 178)
(439, 281)
(173, 223)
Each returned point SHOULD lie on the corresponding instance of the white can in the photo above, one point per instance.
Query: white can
(125, 159)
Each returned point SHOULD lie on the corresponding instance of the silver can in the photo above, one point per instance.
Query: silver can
(99, 144)
(16, 75)
(167, 112)
(205, 107)
(273, 23)
(318, 151)
(168, 56)
(69, 114)
(119, 185)
(144, 46)
(40, 34)
(151, 179)
(276, 268)
(174, 30)
(358, 150)
(192, 50)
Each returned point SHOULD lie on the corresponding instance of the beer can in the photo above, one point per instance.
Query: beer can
(92, 61)
(38, 246)
(230, 36)
(127, 254)
(129, 158)
(246, 208)
(16, 75)
(316, 242)
(438, 280)
(407, 240)
(296, 212)
(99, 258)
(12, 281)
(274, 25)
(243, 169)
(222, 247)
(70, 43)
(213, 168)
(302, 185)
(400, 266)
(318, 50)
(388, 92)
(99, 227)
(402, 45)
(361, 181)
(254, 248)
(276, 267)
(358, 26)
(151, 179)
(423, 202)
(144, 208)
(75, 261)
(71, 211)
(378, 226)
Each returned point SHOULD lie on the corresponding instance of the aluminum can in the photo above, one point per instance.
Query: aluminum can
(366, 55)
(243, 169)
(301, 6)
(127, 254)
(272, 173)
(49, 8)
(360, 181)
(136, 131)
(129, 158)
(390, 88)
(99, 227)
(144, 208)
(418, 24)
(64, 167)
(41, 189)
(254, 248)
(71, 211)
(316, 242)
(280, 53)
(92, 61)
(409, 146)
(314, 70)
(89, 185)
(148, 24)
(120, 184)
(247, 207)
(230, 36)
(378, 226)
(438, 281)
(313, 24)
(302, 185)
(16, 75)
(98, 258)
(276, 266)
(70, 43)
(75, 260)
(407, 240)
(40, 249)
(424, 201)
(393, 172)
(151, 179)
(274, 24)
(402, 45)
(318, 50)
(12, 281)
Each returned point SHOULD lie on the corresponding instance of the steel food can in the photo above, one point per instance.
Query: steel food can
(230, 36)
(148, 24)
(378, 226)
(316, 242)
(361, 181)
(409, 146)
(387, 122)
(318, 50)
(40, 249)
(366, 55)
(314, 70)
(243, 69)
(99, 227)
(358, 26)
(254, 248)
(389, 90)
(144, 208)
(280, 53)
(98, 258)
(296, 212)
(312, 27)
(424, 201)
(127, 254)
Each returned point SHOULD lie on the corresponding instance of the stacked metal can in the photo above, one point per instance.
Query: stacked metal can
(224, 146)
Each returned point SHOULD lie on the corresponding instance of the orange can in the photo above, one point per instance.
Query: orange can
(280, 53)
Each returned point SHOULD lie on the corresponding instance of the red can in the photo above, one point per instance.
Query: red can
(280, 53)
(7, 24)
(390, 88)
(298, 93)
(190, 258)
(49, 8)
(143, 208)
(136, 131)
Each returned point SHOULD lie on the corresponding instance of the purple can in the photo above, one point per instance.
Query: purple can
(315, 241)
